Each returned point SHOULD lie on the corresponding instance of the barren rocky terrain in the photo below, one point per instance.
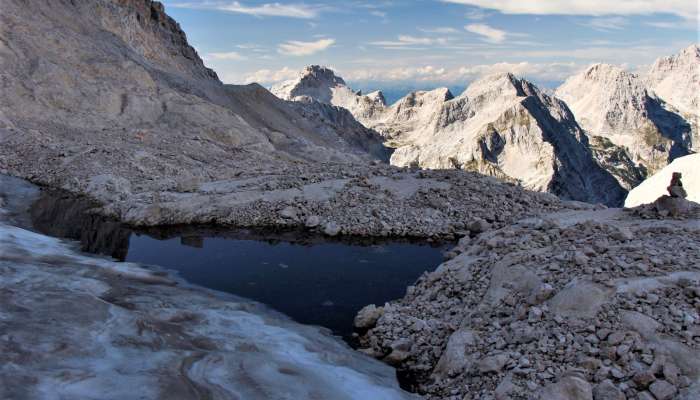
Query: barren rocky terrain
(573, 305)
(542, 298)
(159, 140)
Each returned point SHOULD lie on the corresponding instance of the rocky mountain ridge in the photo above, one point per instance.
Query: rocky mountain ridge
(631, 130)
(154, 142)
(499, 126)
(542, 298)
(614, 104)
(675, 79)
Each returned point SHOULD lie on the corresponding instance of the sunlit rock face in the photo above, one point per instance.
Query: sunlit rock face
(500, 126)
(75, 326)
(118, 103)
(676, 79)
(617, 105)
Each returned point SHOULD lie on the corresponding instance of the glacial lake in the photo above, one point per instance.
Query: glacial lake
(312, 279)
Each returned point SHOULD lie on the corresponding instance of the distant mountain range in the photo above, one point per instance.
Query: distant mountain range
(601, 133)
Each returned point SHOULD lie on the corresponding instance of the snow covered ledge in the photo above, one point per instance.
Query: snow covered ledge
(74, 326)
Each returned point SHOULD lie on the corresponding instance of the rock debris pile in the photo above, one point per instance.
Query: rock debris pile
(579, 305)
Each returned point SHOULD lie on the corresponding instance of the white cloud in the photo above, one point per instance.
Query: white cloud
(262, 10)
(489, 33)
(231, 55)
(461, 75)
(476, 14)
(407, 41)
(606, 23)
(685, 24)
(266, 76)
(441, 30)
(298, 48)
(410, 40)
(683, 8)
(630, 53)
(545, 71)
(377, 13)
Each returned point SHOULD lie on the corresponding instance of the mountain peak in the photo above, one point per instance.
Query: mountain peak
(377, 97)
(676, 78)
(314, 81)
(321, 74)
(602, 71)
(503, 83)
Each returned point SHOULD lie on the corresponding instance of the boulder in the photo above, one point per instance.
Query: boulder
(567, 388)
(367, 317)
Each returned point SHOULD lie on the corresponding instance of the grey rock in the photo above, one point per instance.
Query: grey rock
(567, 388)
(455, 357)
(606, 390)
(312, 221)
(643, 379)
(289, 212)
(492, 364)
(331, 229)
(663, 390)
(367, 317)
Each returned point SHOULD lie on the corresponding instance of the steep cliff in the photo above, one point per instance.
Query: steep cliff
(615, 104)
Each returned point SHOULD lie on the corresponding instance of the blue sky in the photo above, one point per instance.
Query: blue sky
(428, 43)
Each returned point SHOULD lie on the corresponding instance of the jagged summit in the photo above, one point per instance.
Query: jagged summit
(314, 81)
(377, 97)
(676, 79)
(502, 126)
(323, 85)
(615, 104)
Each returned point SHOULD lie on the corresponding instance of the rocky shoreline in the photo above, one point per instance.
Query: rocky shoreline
(377, 201)
(572, 305)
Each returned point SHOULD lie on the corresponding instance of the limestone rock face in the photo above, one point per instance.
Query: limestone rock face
(500, 126)
(676, 79)
(314, 81)
(321, 84)
(118, 88)
(616, 105)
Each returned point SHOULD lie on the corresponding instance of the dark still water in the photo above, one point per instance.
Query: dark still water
(320, 283)
(312, 279)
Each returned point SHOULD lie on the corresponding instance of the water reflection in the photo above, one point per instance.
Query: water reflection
(310, 278)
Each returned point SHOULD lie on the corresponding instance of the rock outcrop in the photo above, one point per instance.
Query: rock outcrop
(617, 105)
